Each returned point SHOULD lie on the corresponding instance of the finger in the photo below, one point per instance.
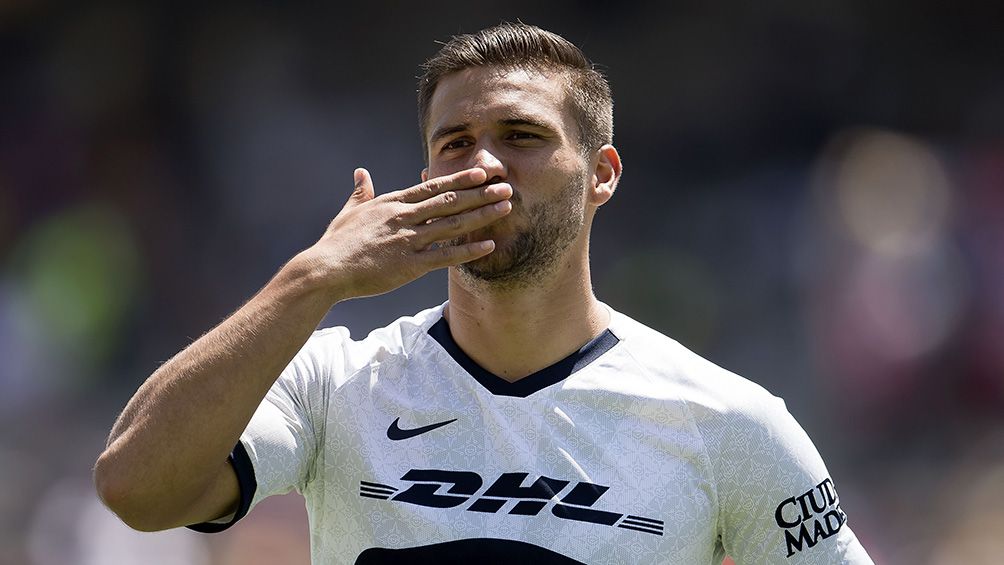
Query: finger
(457, 181)
(450, 255)
(450, 227)
(456, 201)
(363, 187)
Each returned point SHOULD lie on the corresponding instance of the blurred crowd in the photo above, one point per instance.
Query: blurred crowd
(813, 197)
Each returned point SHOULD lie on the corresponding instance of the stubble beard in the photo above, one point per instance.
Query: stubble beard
(549, 229)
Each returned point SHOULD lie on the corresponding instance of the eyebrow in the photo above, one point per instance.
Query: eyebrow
(527, 122)
(447, 130)
(521, 121)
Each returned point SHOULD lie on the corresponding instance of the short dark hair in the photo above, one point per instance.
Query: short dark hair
(518, 45)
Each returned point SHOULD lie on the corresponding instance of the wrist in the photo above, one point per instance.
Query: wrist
(312, 276)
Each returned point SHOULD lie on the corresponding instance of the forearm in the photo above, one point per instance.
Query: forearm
(183, 421)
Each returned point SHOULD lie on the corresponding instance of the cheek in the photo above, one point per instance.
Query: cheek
(442, 169)
(440, 166)
(562, 170)
(567, 161)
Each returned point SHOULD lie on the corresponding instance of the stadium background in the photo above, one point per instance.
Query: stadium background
(813, 197)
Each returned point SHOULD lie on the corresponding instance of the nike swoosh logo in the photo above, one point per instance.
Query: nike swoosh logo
(395, 433)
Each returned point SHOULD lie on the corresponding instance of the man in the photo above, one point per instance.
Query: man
(521, 419)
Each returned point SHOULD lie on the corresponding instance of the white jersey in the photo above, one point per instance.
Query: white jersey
(631, 450)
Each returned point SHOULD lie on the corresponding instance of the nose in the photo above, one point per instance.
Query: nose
(492, 165)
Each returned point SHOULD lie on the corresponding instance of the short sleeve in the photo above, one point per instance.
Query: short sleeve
(278, 448)
(777, 502)
(280, 441)
(247, 484)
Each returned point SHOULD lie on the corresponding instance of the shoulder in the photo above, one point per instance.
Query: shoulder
(732, 414)
(333, 352)
(711, 391)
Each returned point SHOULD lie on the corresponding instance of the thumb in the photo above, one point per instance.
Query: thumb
(364, 187)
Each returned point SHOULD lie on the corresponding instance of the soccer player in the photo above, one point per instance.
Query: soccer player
(523, 418)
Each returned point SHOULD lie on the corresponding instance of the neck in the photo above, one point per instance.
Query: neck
(513, 333)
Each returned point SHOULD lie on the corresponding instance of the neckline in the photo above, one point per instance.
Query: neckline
(559, 371)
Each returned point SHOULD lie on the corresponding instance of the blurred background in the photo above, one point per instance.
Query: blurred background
(813, 197)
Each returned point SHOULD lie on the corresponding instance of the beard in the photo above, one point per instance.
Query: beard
(544, 232)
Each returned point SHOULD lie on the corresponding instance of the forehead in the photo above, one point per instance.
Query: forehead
(489, 94)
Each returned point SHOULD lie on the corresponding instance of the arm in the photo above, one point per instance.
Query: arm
(778, 503)
(165, 464)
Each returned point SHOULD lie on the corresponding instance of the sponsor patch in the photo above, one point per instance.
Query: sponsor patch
(810, 517)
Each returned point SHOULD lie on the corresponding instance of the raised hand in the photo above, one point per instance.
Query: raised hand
(379, 243)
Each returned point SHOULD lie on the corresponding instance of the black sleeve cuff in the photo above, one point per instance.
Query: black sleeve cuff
(241, 463)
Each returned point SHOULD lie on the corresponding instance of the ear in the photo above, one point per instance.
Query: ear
(425, 174)
(606, 173)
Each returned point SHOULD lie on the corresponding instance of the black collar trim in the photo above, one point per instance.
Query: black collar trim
(440, 331)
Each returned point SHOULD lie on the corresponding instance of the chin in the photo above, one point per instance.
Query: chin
(502, 236)
(499, 260)
(513, 264)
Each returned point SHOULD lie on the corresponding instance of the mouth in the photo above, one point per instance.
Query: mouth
(499, 231)
(515, 198)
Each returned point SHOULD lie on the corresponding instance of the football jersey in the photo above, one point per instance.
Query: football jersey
(630, 450)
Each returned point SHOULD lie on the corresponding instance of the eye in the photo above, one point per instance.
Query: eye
(520, 135)
(455, 144)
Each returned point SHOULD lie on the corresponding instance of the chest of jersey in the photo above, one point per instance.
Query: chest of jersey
(598, 468)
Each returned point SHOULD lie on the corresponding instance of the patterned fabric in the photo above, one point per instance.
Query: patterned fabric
(642, 453)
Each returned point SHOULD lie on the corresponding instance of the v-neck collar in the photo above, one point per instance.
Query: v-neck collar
(440, 331)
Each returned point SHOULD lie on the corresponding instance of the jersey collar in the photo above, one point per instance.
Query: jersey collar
(440, 331)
